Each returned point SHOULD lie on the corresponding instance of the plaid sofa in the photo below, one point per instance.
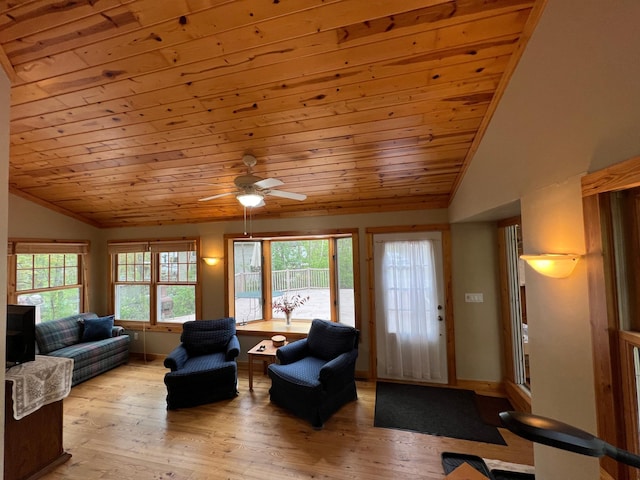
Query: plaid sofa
(63, 338)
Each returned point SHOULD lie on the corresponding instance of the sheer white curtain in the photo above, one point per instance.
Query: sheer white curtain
(411, 322)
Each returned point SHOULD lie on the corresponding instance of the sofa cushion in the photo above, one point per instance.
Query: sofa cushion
(93, 358)
(60, 333)
(91, 352)
(207, 336)
(97, 328)
(327, 340)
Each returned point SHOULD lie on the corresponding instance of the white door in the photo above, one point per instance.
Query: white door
(409, 307)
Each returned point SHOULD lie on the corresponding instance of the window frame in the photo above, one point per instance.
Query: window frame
(266, 238)
(16, 246)
(155, 247)
(615, 404)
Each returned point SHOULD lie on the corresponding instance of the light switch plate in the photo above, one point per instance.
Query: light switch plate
(473, 297)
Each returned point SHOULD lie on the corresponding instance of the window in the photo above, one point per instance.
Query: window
(611, 202)
(155, 282)
(50, 275)
(272, 268)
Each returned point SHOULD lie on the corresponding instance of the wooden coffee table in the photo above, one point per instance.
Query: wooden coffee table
(264, 350)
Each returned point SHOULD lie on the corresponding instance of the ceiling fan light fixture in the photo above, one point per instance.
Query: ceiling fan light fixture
(249, 199)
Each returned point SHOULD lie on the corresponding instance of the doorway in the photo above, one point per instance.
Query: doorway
(410, 307)
(514, 314)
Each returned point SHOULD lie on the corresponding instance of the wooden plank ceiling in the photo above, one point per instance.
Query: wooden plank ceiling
(127, 112)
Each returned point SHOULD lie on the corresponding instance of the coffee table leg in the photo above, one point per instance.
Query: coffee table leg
(250, 372)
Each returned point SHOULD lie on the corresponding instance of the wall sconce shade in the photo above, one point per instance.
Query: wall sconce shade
(554, 265)
(249, 199)
(211, 260)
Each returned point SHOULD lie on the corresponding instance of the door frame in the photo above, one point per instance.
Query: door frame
(518, 397)
(445, 230)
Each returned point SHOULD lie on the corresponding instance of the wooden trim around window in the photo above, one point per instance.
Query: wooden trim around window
(629, 341)
(621, 176)
(608, 354)
(267, 324)
(604, 328)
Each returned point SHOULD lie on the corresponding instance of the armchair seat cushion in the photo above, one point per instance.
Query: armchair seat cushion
(204, 365)
(304, 373)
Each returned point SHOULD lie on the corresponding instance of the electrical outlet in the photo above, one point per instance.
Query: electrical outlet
(473, 297)
(135, 335)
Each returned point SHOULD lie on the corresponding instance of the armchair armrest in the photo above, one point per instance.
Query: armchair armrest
(177, 358)
(339, 370)
(233, 348)
(117, 330)
(293, 351)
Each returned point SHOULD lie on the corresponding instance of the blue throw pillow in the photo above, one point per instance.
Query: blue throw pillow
(97, 328)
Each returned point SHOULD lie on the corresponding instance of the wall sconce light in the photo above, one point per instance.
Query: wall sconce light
(554, 265)
(211, 260)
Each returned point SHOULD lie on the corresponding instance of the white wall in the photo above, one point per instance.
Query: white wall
(561, 358)
(479, 352)
(572, 106)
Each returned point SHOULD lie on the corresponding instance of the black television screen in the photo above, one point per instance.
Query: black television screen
(21, 334)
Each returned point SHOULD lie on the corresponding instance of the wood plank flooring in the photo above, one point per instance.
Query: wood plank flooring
(116, 426)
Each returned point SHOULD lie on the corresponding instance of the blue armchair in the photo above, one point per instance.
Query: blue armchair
(316, 375)
(203, 367)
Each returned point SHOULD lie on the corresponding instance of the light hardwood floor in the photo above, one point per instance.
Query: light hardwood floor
(116, 426)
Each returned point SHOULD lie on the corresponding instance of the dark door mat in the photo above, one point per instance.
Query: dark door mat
(448, 412)
(451, 461)
(505, 475)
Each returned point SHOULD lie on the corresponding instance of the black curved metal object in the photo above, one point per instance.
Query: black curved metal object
(554, 433)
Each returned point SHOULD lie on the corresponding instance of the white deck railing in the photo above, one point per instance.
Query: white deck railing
(283, 280)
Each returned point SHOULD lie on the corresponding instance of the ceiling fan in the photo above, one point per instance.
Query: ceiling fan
(252, 189)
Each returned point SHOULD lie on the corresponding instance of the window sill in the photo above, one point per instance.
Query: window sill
(268, 328)
(259, 328)
(144, 326)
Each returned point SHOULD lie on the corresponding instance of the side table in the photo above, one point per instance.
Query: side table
(33, 416)
(264, 350)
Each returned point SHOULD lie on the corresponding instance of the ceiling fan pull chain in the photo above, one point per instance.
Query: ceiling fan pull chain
(245, 220)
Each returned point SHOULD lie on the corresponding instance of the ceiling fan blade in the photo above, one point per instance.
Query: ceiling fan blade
(290, 195)
(268, 183)
(213, 197)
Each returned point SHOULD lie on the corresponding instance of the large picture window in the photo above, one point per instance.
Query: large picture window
(317, 269)
(49, 275)
(155, 282)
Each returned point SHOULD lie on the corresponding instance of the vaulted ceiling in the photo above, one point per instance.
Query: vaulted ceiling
(128, 112)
